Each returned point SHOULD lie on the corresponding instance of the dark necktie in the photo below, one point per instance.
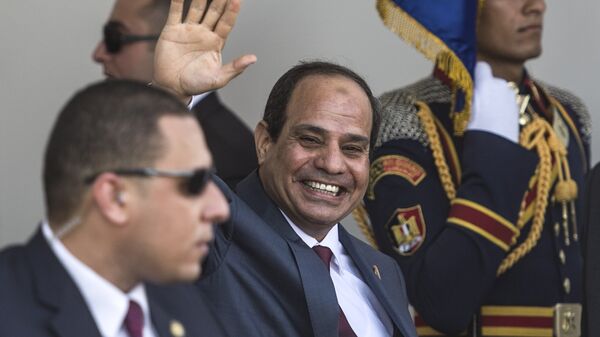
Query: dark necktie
(344, 327)
(134, 320)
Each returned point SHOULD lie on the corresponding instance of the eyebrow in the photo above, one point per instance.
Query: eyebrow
(354, 138)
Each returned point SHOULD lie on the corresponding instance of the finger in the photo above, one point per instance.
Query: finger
(213, 13)
(227, 21)
(196, 11)
(230, 70)
(175, 12)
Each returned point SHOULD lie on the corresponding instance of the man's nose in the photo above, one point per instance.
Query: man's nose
(331, 159)
(217, 207)
(100, 54)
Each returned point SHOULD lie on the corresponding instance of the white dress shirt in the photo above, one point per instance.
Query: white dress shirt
(196, 99)
(107, 303)
(365, 314)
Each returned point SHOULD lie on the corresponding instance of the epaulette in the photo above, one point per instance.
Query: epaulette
(576, 104)
(399, 111)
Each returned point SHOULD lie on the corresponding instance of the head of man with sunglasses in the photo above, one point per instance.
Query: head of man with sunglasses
(129, 203)
(127, 51)
(129, 37)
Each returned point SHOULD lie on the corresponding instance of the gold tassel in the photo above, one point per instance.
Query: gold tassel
(535, 135)
(433, 48)
(362, 219)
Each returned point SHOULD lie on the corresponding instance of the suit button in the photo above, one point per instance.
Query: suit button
(562, 256)
(567, 285)
(556, 229)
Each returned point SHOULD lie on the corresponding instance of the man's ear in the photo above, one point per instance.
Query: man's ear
(110, 195)
(262, 140)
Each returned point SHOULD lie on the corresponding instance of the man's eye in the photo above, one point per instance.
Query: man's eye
(308, 140)
(353, 149)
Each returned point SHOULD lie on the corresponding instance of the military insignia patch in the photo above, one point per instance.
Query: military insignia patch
(394, 165)
(407, 229)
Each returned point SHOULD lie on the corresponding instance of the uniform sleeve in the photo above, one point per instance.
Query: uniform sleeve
(448, 251)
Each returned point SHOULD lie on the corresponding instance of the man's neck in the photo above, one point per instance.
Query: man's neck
(90, 248)
(318, 232)
(507, 70)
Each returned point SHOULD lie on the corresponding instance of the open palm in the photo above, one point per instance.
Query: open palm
(188, 59)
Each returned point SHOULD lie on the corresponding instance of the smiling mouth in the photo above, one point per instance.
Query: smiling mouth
(329, 189)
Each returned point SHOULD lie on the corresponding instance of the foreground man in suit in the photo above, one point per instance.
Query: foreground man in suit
(127, 52)
(129, 200)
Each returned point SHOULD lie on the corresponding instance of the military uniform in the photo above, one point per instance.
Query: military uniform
(473, 261)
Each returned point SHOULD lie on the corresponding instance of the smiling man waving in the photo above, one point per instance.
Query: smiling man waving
(284, 266)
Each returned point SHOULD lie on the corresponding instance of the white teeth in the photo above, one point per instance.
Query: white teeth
(333, 189)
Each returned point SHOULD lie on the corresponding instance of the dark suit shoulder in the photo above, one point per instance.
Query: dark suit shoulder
(13, 269)
(184, 305)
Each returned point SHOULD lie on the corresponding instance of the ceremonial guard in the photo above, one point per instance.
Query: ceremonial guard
(483, 221)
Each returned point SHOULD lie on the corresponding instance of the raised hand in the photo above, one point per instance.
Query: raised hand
(188, 58)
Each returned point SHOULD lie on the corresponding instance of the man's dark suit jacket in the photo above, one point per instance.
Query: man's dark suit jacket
(263, 280)
(592, 254)
(230, 141)
(38, 298)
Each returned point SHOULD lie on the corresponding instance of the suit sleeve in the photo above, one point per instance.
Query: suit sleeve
(448, 251)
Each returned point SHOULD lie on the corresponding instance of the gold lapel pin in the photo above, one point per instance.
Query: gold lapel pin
(177, 329)
(376, 271)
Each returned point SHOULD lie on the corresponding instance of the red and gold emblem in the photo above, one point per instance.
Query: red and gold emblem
(407, 229)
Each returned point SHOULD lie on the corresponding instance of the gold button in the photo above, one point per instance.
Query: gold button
(562, 256)
(177, 329)
(556, 229)
(567, 285)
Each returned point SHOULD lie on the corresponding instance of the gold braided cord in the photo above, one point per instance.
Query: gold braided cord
(534, 135)
(436, 148)
(433, 48)
(569, 121)
(362, 219)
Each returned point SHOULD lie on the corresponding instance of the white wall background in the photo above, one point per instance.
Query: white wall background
(45, 49)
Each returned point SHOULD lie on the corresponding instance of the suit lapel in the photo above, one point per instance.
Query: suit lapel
(319, 292)
(55, 288)
(164, 324)
(370, 278)
(251, 191)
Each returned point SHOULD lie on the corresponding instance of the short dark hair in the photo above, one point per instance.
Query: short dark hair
(156, 12)
(104, 126)
(275, 110)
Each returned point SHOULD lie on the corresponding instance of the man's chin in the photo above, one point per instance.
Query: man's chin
(109, 76)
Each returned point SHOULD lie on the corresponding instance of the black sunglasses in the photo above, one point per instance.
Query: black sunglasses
(114, 39)
(193, 182)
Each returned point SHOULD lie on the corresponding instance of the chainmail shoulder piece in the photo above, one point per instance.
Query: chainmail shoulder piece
(581, 111)
(399, 112)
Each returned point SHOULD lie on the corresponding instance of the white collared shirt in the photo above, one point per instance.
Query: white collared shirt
(107, 303)
(196, 99)
(362, 309)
